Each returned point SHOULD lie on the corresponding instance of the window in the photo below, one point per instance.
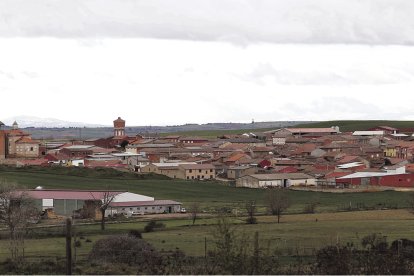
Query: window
(146, 208)
(199, 171)
(211, 170)
(31, 148)
(123, 209)
(188, 177)
(131, 209)
(191, 171)
(192, 177)
(153, 208)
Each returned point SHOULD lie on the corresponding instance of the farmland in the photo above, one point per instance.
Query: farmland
(210, 194)
(300, 233)
(339, 218)
(353, 125)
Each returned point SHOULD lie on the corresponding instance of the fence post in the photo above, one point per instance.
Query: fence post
(69, 246)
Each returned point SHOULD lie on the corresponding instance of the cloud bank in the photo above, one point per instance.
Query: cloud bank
(238, 21)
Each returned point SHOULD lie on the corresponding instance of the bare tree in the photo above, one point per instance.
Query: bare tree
(277, 202)
(194, 210)
(251, 211)
(104, 201)
(16, 210)
(108, 197)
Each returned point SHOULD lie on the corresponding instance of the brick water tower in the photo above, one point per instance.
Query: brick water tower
(119, 127)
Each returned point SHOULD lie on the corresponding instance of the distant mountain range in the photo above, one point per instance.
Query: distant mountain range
(50, 128)
(37, 122)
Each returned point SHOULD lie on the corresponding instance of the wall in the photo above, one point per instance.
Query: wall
(2, 145)
(270, 183)
(303, 182)
(399, 180)
(200, 174)
(157, 209)
(27, 150)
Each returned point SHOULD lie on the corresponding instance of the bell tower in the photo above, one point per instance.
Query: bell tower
(119, 127)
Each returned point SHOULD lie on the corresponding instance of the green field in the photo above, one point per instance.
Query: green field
(349, 125)
(297, 234)
(215, 133)
(210, 194)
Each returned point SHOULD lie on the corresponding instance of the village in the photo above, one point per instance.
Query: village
(287, 157)
(322, 159)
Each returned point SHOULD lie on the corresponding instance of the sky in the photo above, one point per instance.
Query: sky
(166, 62)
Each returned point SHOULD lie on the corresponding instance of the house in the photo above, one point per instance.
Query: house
(170, 169)
(234, 172)
(197, 171)
(236, 158)
(77, 151)
(284, 180)
(386, 129)
(309, 132)
(193, 140)
(247, 141)
(15, 143)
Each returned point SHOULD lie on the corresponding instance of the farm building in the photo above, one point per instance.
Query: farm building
(66, 202)
(275, 180)
(144, 207)
(394, 178)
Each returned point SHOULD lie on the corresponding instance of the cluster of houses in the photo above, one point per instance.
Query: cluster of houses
(381, 156)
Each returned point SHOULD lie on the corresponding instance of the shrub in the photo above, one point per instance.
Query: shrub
(78, 244)
(122, 249)
(152, 225)
(135, 234)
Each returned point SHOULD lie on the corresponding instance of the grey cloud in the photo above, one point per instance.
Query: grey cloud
(327, 76)
(240, 22)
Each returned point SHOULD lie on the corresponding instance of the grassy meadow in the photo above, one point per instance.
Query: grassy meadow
(210, 194)
(296, 234)
(353, 125)
(339, 217)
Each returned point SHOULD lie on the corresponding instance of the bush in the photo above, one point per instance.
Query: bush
(251, 220)
(135, 233)
(152, 225)
(78, 244)
(123, 249)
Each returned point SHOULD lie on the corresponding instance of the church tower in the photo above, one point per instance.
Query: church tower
(119, 127)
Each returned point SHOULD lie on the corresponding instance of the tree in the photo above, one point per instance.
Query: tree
(106, 199)
(277, 202)
(16, 210)
(194, 210)
(251, 211)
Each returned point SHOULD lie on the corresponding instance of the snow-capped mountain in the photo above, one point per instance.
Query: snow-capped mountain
(31, 121)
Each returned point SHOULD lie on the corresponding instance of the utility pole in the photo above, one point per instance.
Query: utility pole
(69, 246)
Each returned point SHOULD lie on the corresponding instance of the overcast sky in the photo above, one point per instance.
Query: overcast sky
(163, 62)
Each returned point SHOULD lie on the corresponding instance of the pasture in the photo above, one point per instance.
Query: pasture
(211, 195)
(296, 234)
